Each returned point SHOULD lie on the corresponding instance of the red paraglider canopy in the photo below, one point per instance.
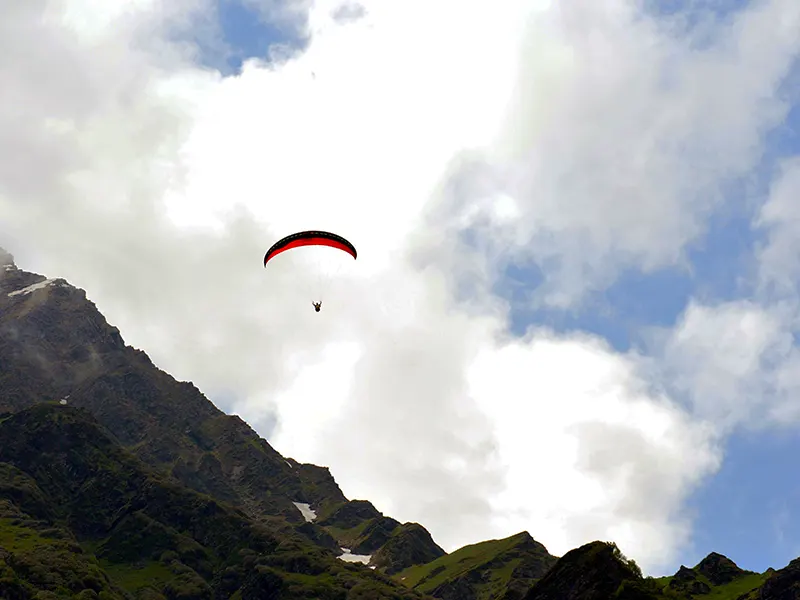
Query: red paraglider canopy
(310, 238)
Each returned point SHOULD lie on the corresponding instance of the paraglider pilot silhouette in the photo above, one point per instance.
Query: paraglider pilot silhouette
(310, 238)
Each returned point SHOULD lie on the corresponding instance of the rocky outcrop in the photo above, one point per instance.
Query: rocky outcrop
(350, 515)
(719, 569)
(595, 571)
(784, 584)
(410, 544)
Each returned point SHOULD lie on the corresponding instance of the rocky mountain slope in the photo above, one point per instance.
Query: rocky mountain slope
(117, 481)
(714, 574)
(55, 344)
(599, 571)
(81, 517)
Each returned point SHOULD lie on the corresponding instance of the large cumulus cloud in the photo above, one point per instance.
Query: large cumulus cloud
(584, 136)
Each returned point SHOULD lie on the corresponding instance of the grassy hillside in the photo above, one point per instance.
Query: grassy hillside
(482, 571)
(726, 591)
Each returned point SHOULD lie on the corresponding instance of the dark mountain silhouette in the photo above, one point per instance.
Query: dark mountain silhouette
(82, 517)
(117, 481)
(55, 344)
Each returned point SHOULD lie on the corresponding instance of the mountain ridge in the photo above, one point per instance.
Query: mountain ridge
(122, 517)
(214, 452)
(60, 357)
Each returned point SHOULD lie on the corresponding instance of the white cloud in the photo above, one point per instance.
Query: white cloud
(621, 136)
(157, 186)
(572, 413)
(779, 259)
(723, 358)
(736, 362)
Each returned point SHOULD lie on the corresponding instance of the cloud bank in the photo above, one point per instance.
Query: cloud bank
(447, 142)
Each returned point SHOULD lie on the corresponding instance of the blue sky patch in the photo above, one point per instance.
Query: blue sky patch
(748, 510)
(239, 32)
(249, 35)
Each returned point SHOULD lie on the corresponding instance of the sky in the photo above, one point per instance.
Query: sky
(575, 305)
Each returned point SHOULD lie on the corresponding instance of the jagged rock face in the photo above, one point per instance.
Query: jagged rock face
(362, 528)
(410, 544)
(52, 340)
(56, 345)
(322, 491)
(534, 563)
(719, 569)
(351, 514)
(377, 532)
(783, 585)
(68, 486)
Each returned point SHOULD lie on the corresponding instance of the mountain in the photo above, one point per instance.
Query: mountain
(119, 482)
(716, 576)
(599, 571)
(359, 526)
(408, 544)
(84, 518)
(720, 570)
(504, 568)
(783, 584)
(55, 344)
(595, 571)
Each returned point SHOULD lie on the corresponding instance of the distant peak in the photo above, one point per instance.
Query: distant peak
(719, 569)
(715, 558)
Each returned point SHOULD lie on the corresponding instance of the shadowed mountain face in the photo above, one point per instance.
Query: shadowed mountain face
(409, 544)
(781, 585)
(81, 516)
(117, 481)
(55, 344)
(596, 571)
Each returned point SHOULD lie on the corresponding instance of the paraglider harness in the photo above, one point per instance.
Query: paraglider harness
(317, 305)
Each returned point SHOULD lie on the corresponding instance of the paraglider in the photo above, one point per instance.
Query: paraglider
(310, 238)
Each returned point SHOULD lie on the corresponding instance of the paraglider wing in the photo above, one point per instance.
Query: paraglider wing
(309, 238)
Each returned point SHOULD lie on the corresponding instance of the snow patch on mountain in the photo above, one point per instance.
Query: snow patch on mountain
(308, 514)
(38, 286)
(350, 557)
